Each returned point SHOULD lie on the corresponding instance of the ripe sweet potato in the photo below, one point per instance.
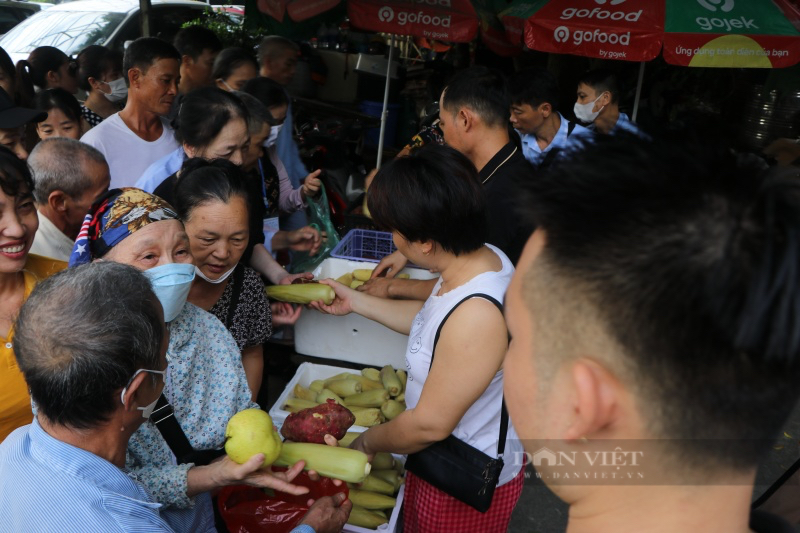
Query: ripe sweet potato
(312, 424)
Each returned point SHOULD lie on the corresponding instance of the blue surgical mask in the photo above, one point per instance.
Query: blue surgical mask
(171, 284)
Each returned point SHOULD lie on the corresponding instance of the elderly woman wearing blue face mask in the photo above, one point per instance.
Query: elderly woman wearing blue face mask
(205, 384)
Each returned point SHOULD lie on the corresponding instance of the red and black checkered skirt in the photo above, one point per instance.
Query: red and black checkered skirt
(427, 509)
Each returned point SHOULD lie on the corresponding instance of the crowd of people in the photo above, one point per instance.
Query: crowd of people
(595, 284)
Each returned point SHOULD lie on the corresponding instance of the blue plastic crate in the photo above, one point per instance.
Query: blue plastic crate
(364, 245)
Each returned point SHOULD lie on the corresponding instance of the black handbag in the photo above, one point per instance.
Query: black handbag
(455, 467)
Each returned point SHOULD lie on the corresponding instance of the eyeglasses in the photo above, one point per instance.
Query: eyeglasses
(163, 374)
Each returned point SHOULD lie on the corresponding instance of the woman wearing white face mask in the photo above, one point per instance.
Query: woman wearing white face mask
(205, 383)
(212, 200)
(100, 75)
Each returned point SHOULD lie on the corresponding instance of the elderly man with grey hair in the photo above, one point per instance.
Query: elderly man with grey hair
(68, 176)
(94, 385)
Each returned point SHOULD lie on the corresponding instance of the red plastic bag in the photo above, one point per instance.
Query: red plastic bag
(251, 510)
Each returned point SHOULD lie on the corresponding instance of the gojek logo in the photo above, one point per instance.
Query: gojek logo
(386, 14)
(561, 35)
(727, 25)
(711, 5)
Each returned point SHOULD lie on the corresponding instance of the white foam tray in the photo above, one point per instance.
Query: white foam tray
(306, 373)
(352, 337)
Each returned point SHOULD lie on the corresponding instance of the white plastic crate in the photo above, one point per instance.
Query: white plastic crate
(352, 337)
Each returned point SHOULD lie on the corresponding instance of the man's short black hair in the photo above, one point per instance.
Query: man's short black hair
(193, 40)
(145, 51)
(534, 86)
(443, 199)
(483, 91)
(689, 255)
(602, 80)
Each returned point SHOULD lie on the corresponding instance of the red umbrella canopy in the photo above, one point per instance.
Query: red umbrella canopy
(443, 20)
(274, 8)
(299, 10)
(492, 32)
(631, 30)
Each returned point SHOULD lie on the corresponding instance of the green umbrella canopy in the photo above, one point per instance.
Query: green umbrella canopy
(731, 33)
(514, 16)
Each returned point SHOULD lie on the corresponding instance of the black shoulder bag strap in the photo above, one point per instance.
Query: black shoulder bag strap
(164, 418)
(163, 415)
(550, 156)
(501, 442)
(236, 290)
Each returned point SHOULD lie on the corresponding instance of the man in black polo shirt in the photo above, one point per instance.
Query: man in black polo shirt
(473, 117)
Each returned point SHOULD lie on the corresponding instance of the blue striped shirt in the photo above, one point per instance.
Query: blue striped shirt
(49, 486)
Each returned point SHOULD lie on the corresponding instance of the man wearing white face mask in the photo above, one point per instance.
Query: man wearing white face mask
(544, 132)
(597, 103)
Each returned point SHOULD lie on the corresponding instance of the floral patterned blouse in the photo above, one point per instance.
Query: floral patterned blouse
(206, 385)
(251, 323)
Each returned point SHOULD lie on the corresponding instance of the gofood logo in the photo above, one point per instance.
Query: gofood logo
(386, 14)
(600, 14)
(713, 5)
(561, 35)
(613, 2)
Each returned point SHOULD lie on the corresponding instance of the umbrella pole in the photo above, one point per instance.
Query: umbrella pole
(385, 113)
(638, 91)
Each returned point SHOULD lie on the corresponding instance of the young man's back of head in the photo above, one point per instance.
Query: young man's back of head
(483, 91)
(662, 292)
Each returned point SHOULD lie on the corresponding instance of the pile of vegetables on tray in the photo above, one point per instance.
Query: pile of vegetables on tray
(373, 397)
(374, 496)
(359, 276)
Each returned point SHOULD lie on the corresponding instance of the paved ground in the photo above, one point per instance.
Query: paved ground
(539, 510)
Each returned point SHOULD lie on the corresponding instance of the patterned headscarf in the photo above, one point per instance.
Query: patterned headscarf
(119, 213)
